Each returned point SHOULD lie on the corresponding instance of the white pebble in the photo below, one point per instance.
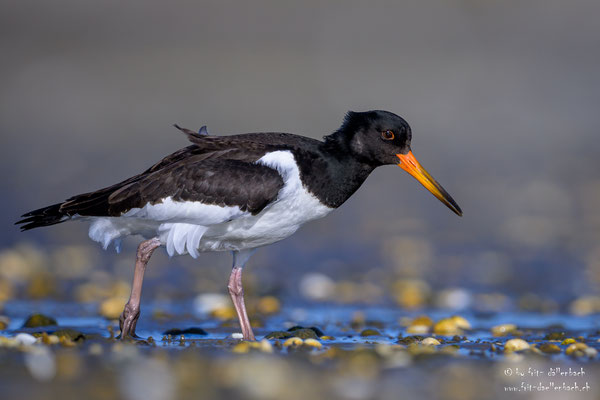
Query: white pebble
(515, 345)
(25, 339)
(237, 335)
(430, 341)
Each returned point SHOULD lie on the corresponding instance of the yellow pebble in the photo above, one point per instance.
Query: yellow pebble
(293, 341)
(568, 341)
(422, 320)
(327, 338)
(430, 341)
(460, 322)
(266, 346)
(446, 327)
(515, 345)
(53, 339)
(242, 347)
(576, 349)
(419, 325)
(504, 329)
(313, 343)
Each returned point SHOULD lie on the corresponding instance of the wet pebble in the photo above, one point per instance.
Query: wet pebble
(70, 334)
(503, 329)
(37, 320)
(410, 339)
(297, 331)
(430, 341)
(555, 336)
(293, 341)
(279, 335)
(513, 345)
(451, 326)
(25, 339)
(461, 322)
(313, 343)
(187, 331)
(581, 350)
(419, 325)
(50, 339)
(549, 348)
(305, 333)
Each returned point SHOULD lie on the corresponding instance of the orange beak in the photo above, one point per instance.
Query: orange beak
(409, 163)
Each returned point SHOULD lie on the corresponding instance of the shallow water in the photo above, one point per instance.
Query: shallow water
(347, 366)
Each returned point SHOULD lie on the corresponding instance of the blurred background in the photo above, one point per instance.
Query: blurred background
(503, 99)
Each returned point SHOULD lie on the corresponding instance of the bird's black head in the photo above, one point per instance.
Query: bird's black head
(374, 137)
(380, 138)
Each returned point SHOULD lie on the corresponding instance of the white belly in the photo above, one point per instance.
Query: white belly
(274, 223)
(192, 227)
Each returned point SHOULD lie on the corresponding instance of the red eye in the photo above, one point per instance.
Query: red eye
(387, 135)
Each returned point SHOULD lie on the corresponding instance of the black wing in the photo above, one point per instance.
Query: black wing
(219, 170)
(249, 186)
(215, 181)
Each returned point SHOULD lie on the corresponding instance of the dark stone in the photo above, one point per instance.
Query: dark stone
(279, 335)
(370, 332)
(411, 339)
(550, 348)
(316, 330)
(555, 336)
(69, 334)
(188, 331)
(37, 320)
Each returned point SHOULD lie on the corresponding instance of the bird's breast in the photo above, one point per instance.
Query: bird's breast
(294, 206)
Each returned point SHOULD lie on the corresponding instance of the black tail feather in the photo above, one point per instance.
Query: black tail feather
(45, 216)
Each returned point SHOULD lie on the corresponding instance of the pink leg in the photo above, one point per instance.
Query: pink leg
(237, 292)
(131, 313)
(237, 295)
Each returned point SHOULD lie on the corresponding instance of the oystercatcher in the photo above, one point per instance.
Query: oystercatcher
(237, 193)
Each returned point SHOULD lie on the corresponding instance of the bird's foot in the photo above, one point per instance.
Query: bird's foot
(128, 322)
(248, 335)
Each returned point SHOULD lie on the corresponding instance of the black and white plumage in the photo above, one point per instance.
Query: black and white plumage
(243, 191)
